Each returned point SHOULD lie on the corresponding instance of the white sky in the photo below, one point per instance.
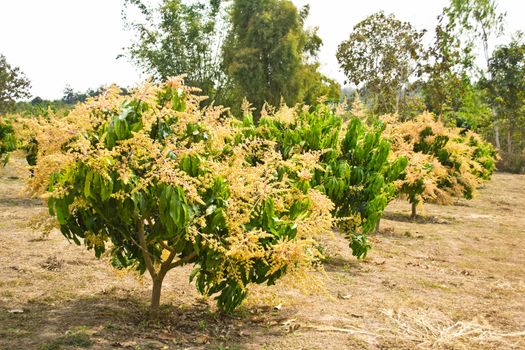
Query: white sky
(76, 42)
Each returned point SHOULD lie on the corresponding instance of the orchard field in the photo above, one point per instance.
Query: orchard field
(453, 279)
(234, 196)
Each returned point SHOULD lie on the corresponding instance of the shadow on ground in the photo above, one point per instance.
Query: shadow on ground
(117, 319)
(420, 219)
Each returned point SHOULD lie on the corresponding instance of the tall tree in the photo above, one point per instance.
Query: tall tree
(316, 86)
(180, 37)
(445, 69)
(266, 51)
(447, 84)
(13, 85)
(380, 56)
(507, 87)
(478, 21)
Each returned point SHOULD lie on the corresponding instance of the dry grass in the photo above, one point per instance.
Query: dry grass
(433, 329)
(453, 279)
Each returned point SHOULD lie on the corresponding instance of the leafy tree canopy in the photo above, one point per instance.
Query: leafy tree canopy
(267, 50)
(507, 86)
(180, 37)
(381, 55)
(13, 85)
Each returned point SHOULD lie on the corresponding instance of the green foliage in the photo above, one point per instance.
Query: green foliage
(473, 112)
(484, 154)
(316, 86)
(354, 168)
(443, 162)
(411, 106)
(39, 107)
(13, 85)
(507, 90)
(266, 52)
(260, 50)
(446, 157)
(153, 178)
(381, 56)
(471, 23)
(448, 89)
(480, 18)
(181, 37)
(7, 139)
(448, 62)
(71, 97)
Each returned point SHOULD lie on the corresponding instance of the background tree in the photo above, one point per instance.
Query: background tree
(447, 85)
(7, 140)
(315, 85)
(445, 70)
(381, 56)
(507, 89)
(180, 37)
(13, 85)
(71, 97)
(476, 21)
(267, 50)
(41, 107)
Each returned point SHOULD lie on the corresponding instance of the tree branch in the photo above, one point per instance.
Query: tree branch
(165, 266)
(144, 247)
(182, 261)
(165, 246)
(150, 222)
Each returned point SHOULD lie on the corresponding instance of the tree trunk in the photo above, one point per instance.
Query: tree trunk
(414, 211)
(496, 131)
(489, 75)
(156, 277)
(398, 100)
(155, 295)
(509, 140)
(377, 225)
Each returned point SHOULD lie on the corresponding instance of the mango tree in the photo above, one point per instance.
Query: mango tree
(444, 162)
(355, 169)
(158, 183)
(7, 140)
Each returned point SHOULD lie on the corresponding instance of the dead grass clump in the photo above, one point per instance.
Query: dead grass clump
(52, 264)
(433, 329)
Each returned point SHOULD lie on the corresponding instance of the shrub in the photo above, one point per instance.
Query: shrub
(483, 154)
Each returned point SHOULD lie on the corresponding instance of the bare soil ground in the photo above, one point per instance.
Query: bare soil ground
(454, 279)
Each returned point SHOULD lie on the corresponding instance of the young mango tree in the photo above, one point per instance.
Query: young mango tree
(421, 181)
(157, 182)
(22, 135)
(355, 169)
(7, 140)
(483, 154)
(443, 161)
